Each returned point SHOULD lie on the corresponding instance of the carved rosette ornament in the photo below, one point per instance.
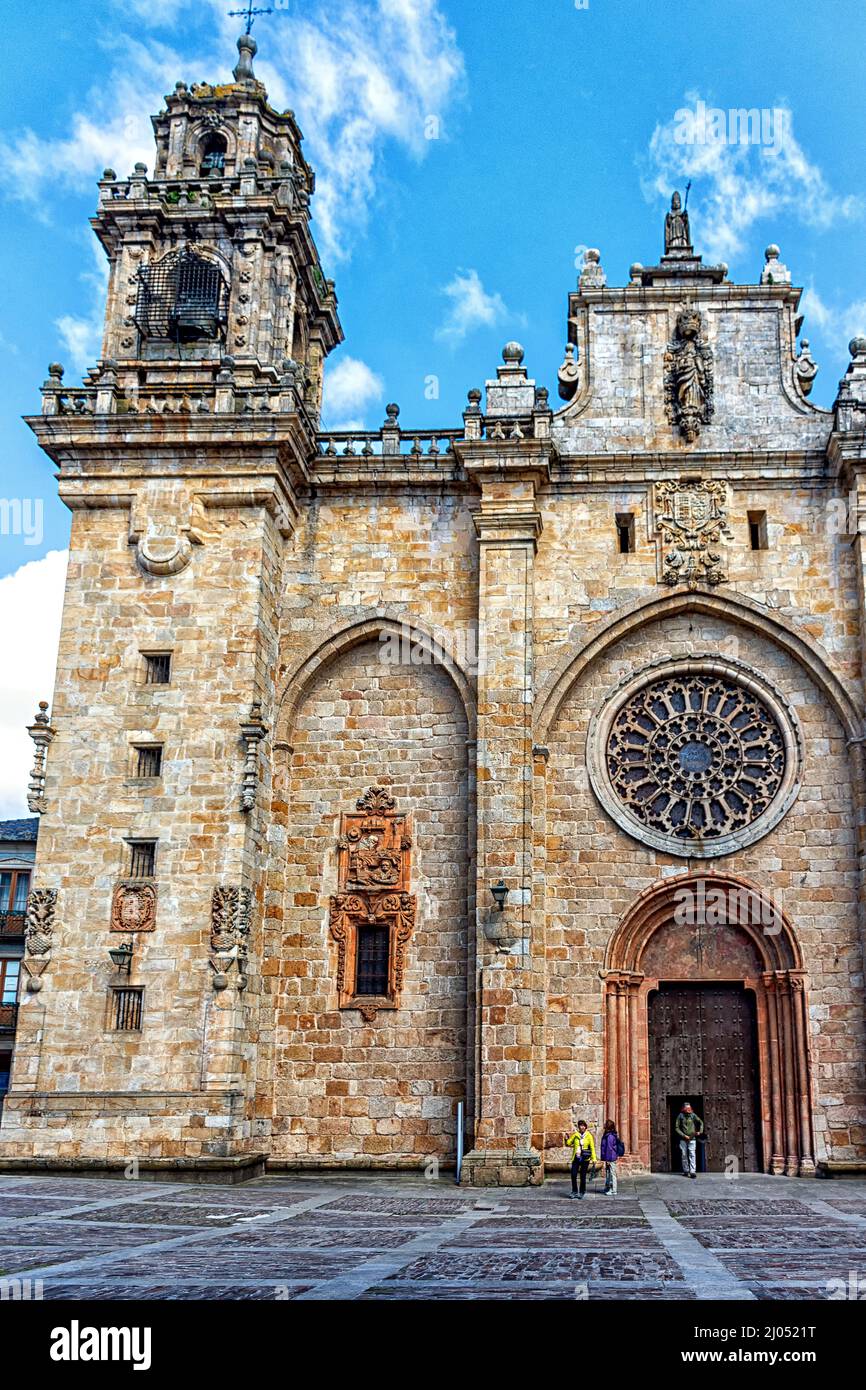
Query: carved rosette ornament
(689, 376)
(133, 906)
(690, 519)
(38, 935)
(373, 877)
(231, 915)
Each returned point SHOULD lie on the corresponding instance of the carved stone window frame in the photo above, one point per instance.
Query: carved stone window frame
(373, 877)
(703, 664)
(349, 913)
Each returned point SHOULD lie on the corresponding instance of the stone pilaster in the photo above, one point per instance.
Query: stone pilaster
(509, 466)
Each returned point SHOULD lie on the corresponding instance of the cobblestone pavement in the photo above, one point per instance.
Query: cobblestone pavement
(401, 1237)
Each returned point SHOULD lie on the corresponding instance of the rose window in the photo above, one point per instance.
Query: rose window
(696, 762)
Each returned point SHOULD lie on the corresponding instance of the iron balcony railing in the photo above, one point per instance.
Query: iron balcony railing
(8, 1018)
(12, 923)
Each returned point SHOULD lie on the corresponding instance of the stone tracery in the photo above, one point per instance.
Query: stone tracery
(696, 757)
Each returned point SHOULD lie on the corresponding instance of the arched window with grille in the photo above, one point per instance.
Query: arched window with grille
(213, 157)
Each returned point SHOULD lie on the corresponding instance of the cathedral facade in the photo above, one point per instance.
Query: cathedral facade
(493, 776)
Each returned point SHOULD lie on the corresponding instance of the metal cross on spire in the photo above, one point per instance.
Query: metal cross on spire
(249, 14)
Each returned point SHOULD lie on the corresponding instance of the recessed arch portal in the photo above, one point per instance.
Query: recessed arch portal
(709, 930)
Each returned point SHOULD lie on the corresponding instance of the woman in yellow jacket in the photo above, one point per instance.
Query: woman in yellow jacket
(582, 1147)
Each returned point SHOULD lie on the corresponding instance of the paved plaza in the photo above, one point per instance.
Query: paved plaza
(401, 1237)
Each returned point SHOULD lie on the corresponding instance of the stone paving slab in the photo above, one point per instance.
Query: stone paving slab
(537, 1291)
(348, 1236)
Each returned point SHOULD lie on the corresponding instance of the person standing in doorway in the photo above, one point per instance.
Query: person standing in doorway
(582, 1147)
(612, 1150)
(688, 1127)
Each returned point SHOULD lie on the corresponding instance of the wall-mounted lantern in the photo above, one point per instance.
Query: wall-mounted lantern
(122, 957)
(500, 893)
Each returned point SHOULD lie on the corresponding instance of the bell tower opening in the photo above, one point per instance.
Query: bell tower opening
(213, 157)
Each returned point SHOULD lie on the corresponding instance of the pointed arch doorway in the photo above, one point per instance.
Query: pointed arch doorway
(705, 999)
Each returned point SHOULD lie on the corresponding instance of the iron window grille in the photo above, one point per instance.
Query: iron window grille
(372, 961)
(157, 668)
(182, 297)
(148, 760)
(127, 1010)
(142, 858)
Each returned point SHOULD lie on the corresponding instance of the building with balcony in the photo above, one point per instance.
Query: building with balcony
(17, 855)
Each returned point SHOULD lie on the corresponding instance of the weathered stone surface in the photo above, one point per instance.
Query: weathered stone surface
(440, 614)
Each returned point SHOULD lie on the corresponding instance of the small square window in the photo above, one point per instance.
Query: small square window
(625, 533)
(147, 760)
(157, 668)
(126, 1010)
(758, 530)
(142, 858)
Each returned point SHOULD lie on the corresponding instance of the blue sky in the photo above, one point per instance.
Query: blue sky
(555, 130)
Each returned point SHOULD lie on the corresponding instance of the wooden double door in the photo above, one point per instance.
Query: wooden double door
(703, 1048)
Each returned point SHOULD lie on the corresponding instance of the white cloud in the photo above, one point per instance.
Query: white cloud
(470, 307)
(31, 601)
(366, 72)
(736, 184)
(349, 387)
(362, 74)
(114, 130)
(837, 324)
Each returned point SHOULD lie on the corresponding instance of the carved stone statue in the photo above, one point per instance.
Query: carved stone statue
(677, 234)
(689, 376)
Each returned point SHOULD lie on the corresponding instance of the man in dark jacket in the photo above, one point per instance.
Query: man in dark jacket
(688, 1127)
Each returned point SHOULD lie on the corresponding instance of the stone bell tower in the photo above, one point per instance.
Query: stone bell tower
(182, 458)
(213, 270)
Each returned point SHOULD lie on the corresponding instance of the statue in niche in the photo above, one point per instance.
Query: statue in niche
(677, 234)
(689, 376)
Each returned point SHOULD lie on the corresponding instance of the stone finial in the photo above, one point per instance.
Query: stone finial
(472, 416)
(592, 277)
(851, 400)
(247, 48)
(774, 272)
(253, 730)
(512, 394)
(634, 273)
(42, 734)
(805, 368)
(55, 372)
(569, 374)
(391, 429)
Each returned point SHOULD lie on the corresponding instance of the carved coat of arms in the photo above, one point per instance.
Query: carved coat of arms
(691, 519)
(689, 376)
(133, 906)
